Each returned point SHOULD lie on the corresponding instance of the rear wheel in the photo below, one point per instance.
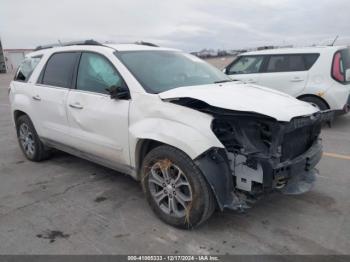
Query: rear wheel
(175, 188)
(29, 141)
(316, 102)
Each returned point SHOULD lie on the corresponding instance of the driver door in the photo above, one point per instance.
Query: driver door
(98, 124)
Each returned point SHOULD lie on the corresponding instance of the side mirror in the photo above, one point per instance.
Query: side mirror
(118, 92)
(347, 75)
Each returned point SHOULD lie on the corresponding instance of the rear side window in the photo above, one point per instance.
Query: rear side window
(246, 65)
(96, 74)
(291, 63)
(341, 62)
(26, 68)
(285, 63)
(59, 69)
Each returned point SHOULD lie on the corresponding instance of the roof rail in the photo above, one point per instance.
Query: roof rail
(146, 43)
(40, 47)
(84, 42)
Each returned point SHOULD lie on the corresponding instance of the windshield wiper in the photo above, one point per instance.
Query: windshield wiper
(223, 81)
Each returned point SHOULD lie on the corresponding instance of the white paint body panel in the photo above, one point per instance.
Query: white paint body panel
(99, 125)
(293, 82)
(50, 112)
(244, 97)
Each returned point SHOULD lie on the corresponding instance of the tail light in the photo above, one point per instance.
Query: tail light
(337, 69)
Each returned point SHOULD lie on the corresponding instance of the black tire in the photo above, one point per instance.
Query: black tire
(40, 152)
(202, 204)
(315, 102)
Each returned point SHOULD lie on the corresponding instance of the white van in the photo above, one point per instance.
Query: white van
(318, 75)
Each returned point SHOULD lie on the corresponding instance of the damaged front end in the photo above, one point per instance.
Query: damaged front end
(261, 154)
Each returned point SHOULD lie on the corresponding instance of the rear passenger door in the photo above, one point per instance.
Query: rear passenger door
(49, 96)
(285, 73)
(99, 124)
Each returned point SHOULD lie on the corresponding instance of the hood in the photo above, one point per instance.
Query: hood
(238, 96)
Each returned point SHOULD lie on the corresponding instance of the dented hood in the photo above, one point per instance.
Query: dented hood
(238, 96)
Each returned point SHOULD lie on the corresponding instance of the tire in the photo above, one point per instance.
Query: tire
(29, 142)
(186, 183)
(316, 102)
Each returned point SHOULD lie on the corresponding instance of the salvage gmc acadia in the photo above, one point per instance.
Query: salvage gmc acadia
(196, 140)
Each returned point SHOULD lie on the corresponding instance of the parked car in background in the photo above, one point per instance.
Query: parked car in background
(318, 75)
(196, 140)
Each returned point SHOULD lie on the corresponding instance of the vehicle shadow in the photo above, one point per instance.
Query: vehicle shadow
(341, 122)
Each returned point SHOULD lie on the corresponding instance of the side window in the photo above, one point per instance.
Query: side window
(296, 63)
(285, 63)
(310, 60)
(26, 68)
(96, 74)
(59, 69)
(246, 65)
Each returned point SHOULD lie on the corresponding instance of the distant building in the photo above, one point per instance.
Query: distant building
(265, 47)
(2, 60)
(13, 58)
(205, 53)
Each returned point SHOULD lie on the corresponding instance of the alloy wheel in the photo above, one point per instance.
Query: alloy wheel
(26, 138)
(170, 188)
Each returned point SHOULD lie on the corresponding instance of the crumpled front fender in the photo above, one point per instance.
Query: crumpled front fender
(214, 165)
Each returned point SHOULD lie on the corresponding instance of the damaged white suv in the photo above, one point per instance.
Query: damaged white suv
(196, 140)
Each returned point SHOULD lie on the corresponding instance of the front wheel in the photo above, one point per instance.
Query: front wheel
(175, 188)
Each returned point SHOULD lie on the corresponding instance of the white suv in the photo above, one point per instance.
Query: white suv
(195, 139)
(318, 75)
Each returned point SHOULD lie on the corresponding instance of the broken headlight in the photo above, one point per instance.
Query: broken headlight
(244, 135)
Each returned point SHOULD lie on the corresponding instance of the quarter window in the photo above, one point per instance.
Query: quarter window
(26, 68)
(59, 69)
(310, 60)
(246, 65)
(96, 74)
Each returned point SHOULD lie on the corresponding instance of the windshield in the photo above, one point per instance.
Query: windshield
(159, 71)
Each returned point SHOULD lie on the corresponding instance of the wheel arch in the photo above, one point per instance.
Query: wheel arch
(18, 113)
(143, 147)
(314, 96)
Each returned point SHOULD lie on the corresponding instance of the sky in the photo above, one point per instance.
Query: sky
(190, 25)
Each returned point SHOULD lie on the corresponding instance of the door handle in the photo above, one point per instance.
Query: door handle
(251, 81)
(36, 97)
(76, 106)
(297, 79)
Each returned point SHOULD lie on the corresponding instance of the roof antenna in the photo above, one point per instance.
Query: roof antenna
(336, 38)
(59, 42)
